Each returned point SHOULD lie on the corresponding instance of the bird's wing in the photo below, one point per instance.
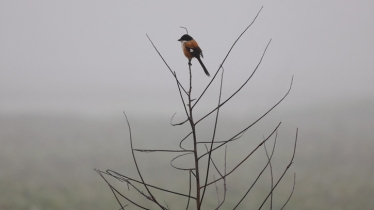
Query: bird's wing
(193, 48)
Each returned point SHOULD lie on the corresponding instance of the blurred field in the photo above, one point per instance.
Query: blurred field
(47, 162)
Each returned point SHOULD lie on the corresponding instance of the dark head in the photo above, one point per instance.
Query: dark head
(185, 37)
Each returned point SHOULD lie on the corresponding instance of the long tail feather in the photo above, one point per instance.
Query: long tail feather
(202, 65)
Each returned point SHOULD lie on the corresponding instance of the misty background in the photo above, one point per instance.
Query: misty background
(69, 69)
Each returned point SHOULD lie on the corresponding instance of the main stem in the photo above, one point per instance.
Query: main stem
(194, 144)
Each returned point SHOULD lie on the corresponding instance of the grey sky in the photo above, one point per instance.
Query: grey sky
(94, 57)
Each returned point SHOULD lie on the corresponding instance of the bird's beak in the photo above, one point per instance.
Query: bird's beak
(179, 40)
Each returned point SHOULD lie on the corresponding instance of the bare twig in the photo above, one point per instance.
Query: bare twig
(174, 124)
(165, 63)
(214, 178)
(260, 174)
(180, 93)
(225, 141)
(241, 162)
(193, 128)
(114, 189)
(182, 169)
(213, 136)
(215, 166)
(124, 178)
(271, 173)
(161, 150)
(284, 172)
(219, 105)
(189, 190)
(224, 182)
(167, 206)
(245, 129)
(180, 143)
(222, 176)
(228, 53)
(137, 167)
(293, 188)
(184, 28)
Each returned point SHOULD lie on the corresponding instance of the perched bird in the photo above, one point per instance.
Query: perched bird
(192, 50)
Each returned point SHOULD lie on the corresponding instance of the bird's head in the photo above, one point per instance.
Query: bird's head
(185, 38)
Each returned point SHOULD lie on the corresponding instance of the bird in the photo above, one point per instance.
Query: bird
(192, 50)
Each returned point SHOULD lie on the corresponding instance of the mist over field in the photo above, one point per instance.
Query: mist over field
(48, 161)
(68, 70)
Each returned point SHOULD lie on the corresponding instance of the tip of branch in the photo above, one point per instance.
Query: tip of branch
(184, 28)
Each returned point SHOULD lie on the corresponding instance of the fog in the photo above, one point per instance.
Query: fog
(69, 69)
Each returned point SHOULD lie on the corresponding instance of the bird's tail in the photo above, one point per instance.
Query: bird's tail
(202, 65)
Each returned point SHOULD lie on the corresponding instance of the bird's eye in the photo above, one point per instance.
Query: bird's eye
(191, 50)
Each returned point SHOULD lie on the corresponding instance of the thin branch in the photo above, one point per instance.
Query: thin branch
(193, 173)
(137, 167)
(260, 174)
(182, 169)
(189, 190)
(254, 71)
(293, 188)
(123, 178)
(165, 62)
(228, 53)
(160, 150)
(241, 162)
(214, 178)
(114, 189)
(174, 124)
(233, 138)
(215, 166)
(224, 182)
(184, 28)
(193, 128)
(180, 143)
(180, 93)
(213, 136)
(284, 172)
(167, 206)
(219, 142)
(271, 173)
(244, 130)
